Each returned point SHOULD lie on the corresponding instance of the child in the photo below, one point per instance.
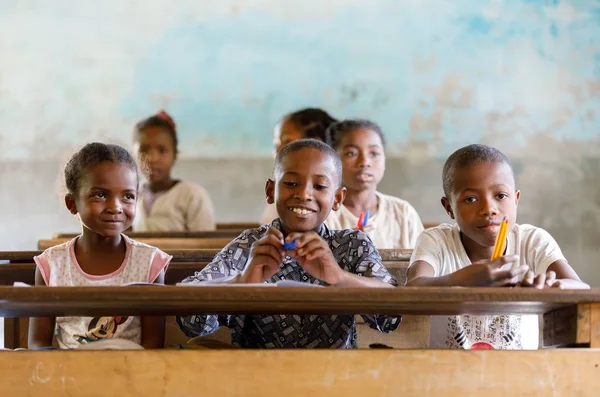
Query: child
(393, 222)
(167, 204)
(305, 123)
(306, 187)
(479, 191)
(102, 183)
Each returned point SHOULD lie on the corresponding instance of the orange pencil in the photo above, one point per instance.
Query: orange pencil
(500, 240)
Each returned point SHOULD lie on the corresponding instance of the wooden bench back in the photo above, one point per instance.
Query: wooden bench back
(165, 243)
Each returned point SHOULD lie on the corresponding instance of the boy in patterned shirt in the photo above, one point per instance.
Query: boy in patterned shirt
(306, 187)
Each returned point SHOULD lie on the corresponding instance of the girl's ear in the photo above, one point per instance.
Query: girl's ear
(70, 203)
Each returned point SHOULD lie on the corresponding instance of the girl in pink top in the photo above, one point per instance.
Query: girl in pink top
(102, 183)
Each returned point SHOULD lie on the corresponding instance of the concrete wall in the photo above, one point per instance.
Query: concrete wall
(521, 75)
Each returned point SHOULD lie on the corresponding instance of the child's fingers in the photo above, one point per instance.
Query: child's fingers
(501, 278)
(311, 246)
(272, 240)
(558, 284)
(268, 250)
(275, 232)
(302, 239)
(550, 278)
(316, 253)
(503, 260)
(529, 279)
(540, 281)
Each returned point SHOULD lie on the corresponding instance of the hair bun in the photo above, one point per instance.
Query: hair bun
(165, 116)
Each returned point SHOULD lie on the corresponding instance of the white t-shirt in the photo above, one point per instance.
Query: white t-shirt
(59, 268)
(442, 248)
(186, 207)
(397, 223)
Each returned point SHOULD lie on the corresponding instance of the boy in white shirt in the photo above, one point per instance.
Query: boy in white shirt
(479, 191)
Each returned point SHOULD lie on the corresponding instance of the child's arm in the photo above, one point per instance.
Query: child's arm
(422, 274)
(41, 329)
(153, 327)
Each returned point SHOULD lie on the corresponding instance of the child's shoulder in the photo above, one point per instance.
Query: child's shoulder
(441, 232)
(531, 234)
(395, 203)
(58, 251)
(189, 188)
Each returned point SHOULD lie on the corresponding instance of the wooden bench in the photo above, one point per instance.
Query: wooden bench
(231, 233)
(165, 243)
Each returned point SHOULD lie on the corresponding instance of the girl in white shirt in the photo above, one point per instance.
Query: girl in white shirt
(167, 204)
(393, 222)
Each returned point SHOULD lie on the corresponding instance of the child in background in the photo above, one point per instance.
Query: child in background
(309, 123)
(167, 204)
(306, 187)
(479, 192)
(102, 183)
(393, 222)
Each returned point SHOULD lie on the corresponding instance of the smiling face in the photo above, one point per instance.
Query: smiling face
(481, 196)
(106, 200)
(305, 190)
(363, 159)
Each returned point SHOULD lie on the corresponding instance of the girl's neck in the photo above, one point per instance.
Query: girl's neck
(162, 185)
(92, 242)
(358, 201)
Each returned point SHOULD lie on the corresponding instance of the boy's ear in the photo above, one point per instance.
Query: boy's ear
(270, 191)
(340, 195)
(446, 204)
(517, 197)
(70, 203)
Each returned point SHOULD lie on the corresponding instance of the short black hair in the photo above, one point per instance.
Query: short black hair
(91, 155)
(336, 132)
(161, 119)
(469, 155)
(312, 121)
(311, 144)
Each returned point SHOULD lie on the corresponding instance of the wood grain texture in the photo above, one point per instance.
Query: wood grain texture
(330, 373)
(172, 300)
(231, 233)
(193, 255)
(162, 243)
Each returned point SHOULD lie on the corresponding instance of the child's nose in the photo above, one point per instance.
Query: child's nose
(489, 208)
(305, 192)
(114, 207)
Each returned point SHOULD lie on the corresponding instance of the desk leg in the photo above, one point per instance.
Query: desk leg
(11, 333)
(568, 327)
(594, 325)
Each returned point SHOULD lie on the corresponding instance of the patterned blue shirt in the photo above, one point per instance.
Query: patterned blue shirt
(354, 252)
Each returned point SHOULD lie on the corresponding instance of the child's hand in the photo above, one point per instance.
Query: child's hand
(541, 281)
(368, 228)
(266, 257)
(315, 257)
(489, 274)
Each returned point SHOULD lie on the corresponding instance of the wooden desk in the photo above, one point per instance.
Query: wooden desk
(325, 372)
(301, 373)
(172, 300)
(232, 233)
(162, 243)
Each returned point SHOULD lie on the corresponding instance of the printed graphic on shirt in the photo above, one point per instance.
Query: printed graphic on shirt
(102, 328)
(479, 332)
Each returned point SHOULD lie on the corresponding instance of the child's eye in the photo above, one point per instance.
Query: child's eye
(290, 184)
(470, 200)
(350, 154)
(129, 196)
(375, 154)
(502, 196)
(320, 187)
(99, 195)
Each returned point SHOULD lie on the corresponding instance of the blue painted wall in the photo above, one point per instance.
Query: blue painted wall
(435, 74)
